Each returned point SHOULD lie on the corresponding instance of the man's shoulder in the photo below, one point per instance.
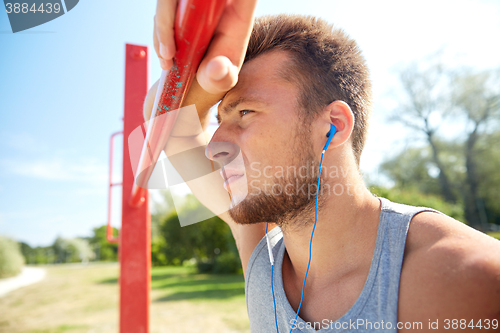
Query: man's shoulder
(441, 241)
(450, 271)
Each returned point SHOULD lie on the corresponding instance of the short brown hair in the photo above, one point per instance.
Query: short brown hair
(328, 63)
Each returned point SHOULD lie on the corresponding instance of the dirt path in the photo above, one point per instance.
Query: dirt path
(29, 275)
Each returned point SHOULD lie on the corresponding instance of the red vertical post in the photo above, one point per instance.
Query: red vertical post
(135, 235)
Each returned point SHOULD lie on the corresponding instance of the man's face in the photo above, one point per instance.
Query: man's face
(261, 116)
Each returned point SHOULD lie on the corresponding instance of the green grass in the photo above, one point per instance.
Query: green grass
(494, 234)
(181, 283)
(78, 299)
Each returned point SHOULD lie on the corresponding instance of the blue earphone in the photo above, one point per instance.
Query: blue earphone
(329, 135)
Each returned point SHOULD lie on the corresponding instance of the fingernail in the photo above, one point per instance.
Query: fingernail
(164, 51)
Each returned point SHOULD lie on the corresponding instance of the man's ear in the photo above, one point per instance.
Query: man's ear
(339, 114)
(149, 101)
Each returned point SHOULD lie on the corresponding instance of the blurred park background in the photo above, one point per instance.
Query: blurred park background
(433, 142)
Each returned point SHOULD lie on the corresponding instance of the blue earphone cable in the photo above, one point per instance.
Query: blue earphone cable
(310, 243)
(330, 135)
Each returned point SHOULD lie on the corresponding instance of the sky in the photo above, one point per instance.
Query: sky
(61, 94)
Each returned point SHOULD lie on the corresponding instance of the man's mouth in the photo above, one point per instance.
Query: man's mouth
(230, 176)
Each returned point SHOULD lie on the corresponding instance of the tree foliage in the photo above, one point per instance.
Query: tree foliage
(68, 250)
(477, 99)
(464, 169)
(210, 242)
(414, 197)
(424, 108)
(38, 255)
(104, 250)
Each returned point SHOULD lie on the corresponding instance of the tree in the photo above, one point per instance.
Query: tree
(72, 250)
(414, 197)
(476, 96)
(433, 94)
(424, 109)
(37, 255)
(103, 249)
(414, 168)
(488, 152)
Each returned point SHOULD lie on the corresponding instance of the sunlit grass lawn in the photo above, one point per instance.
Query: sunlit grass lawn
(494, 234)
(75, 298)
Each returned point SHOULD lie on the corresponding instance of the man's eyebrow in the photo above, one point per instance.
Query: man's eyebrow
(226, 109)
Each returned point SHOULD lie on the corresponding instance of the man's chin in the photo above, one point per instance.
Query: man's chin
(281, 209)
(239, 212)
(245, 211)
(258, 209)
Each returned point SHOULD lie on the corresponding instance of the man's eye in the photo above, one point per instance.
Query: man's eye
(244, 112)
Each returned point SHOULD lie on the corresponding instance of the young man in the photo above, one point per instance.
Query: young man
(371, 269)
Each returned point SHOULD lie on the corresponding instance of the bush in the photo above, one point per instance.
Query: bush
(11, 259)
(204, 266)
(158, 257)
(202, 241)
(227, 263)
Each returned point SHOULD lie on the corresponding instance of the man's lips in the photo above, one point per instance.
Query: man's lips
(230, 176)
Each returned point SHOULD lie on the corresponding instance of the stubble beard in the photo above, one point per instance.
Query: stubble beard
(293, 208)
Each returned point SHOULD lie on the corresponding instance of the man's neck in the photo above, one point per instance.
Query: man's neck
(344, 237)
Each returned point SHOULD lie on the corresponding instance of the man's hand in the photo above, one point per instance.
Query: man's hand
(218, 71)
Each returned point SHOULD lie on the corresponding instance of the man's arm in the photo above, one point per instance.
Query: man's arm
(217, 74)
(210, 192)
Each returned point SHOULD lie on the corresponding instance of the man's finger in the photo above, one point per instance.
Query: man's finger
(166, 65)
(164, 31)
(230, 40)
(219, 75)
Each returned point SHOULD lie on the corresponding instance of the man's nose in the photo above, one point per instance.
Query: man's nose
(222, 152)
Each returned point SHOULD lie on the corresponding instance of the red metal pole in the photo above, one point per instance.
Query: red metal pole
(195, 24)
(135, 234)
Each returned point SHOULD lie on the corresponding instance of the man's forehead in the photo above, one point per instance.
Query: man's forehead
(254, 100)
(269, 68)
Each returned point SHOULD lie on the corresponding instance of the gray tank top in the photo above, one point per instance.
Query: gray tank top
(375, 310)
